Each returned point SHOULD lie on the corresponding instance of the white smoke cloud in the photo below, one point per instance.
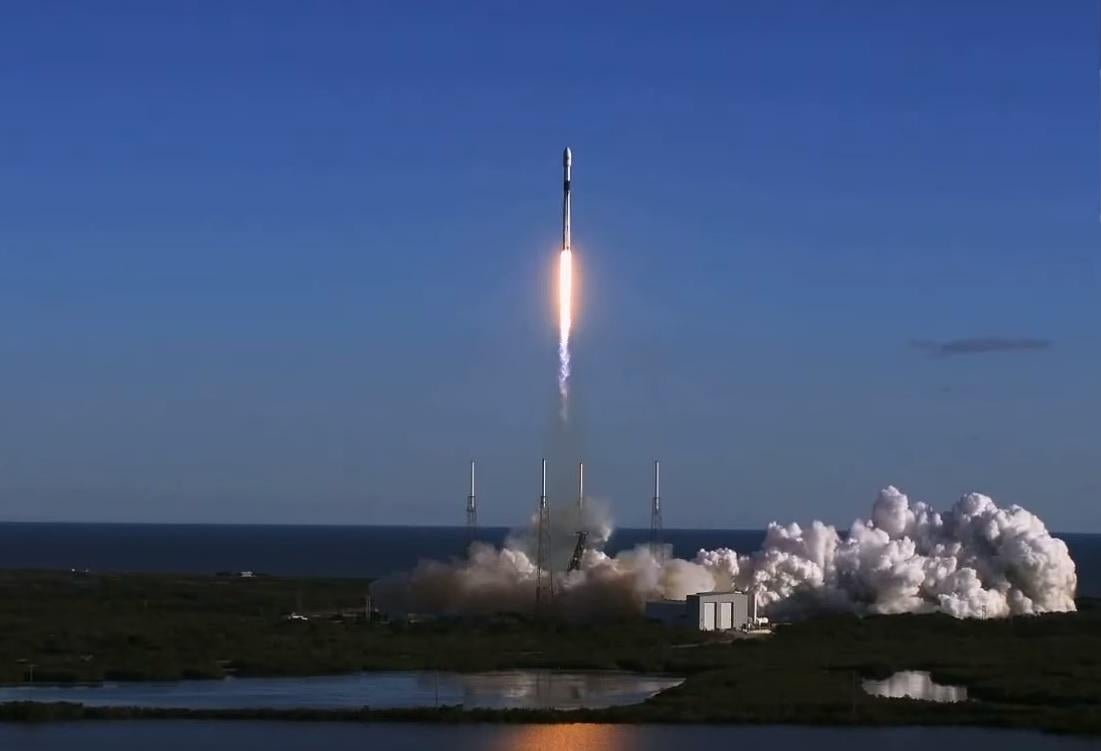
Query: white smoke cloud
(976, 560)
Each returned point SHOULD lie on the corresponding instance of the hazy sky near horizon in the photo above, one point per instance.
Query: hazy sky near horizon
(291, 262)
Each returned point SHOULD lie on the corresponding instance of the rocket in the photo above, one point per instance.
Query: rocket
(567, 160)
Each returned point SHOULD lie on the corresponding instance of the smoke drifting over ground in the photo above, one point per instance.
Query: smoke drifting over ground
(975, 560)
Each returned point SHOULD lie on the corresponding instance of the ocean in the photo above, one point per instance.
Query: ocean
(357, 551)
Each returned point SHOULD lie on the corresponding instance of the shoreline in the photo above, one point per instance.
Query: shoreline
(905, 713)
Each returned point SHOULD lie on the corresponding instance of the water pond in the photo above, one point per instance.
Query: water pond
(532, 689)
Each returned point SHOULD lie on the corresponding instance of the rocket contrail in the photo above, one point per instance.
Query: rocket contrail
(565, 291)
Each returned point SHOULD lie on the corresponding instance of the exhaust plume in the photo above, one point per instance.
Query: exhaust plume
(565, 315)
(975, 560)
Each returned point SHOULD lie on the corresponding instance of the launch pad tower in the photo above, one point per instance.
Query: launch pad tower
(544, 577)
(471, 510)
(656, 548)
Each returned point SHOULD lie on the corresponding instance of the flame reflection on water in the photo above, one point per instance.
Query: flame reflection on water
(576, 737)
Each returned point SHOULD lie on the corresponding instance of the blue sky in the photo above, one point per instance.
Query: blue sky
(290, 262)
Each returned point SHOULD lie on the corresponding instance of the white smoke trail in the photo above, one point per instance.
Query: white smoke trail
(565, 319)
(976, 560)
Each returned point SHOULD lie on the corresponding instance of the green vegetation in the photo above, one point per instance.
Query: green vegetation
(87, 628)
(1041, 672)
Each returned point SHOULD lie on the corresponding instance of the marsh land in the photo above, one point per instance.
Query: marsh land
(69, 627)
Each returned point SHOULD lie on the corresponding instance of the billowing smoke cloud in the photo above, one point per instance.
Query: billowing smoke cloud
(976, 560)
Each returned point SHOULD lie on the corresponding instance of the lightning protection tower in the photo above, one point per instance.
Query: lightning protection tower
(582, 533)
(471, 510)
(655, 514)
(544, 583)
(580, 488)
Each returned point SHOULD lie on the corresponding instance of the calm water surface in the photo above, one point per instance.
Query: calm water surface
(277, 736)
(532, 689)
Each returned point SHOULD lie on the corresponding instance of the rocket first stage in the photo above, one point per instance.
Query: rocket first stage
(565, 292)
(567, 159)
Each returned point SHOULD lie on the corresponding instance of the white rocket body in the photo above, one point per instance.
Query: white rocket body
(567, 159)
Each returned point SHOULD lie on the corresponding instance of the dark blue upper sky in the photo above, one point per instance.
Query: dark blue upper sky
(291, 262)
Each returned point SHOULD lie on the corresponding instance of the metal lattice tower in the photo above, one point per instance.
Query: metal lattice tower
(578, 552)
(471, 510)
(655, 514)
(582, 533)
(544, 582)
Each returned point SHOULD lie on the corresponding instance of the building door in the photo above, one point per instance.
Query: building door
(724, 616)
(708, 617)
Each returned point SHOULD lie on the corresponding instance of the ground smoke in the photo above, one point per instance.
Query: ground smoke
(974, 561)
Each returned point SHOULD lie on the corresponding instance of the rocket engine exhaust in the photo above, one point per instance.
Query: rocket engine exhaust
(973, 560)
(565, 292)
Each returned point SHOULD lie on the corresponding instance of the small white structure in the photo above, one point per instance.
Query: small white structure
(718, 611)
(708, 611)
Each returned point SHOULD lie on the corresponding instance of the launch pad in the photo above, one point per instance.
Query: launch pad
(544, 565)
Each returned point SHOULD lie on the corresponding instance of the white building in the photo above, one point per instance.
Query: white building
(707, 611)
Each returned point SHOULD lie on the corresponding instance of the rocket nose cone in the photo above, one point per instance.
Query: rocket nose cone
(567, 157)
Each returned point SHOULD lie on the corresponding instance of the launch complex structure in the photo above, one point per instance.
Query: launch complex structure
(544, 567)
(544, 575)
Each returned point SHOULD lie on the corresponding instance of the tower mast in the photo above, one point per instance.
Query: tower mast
(471, 510)
(544, 582)
(655, 514)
